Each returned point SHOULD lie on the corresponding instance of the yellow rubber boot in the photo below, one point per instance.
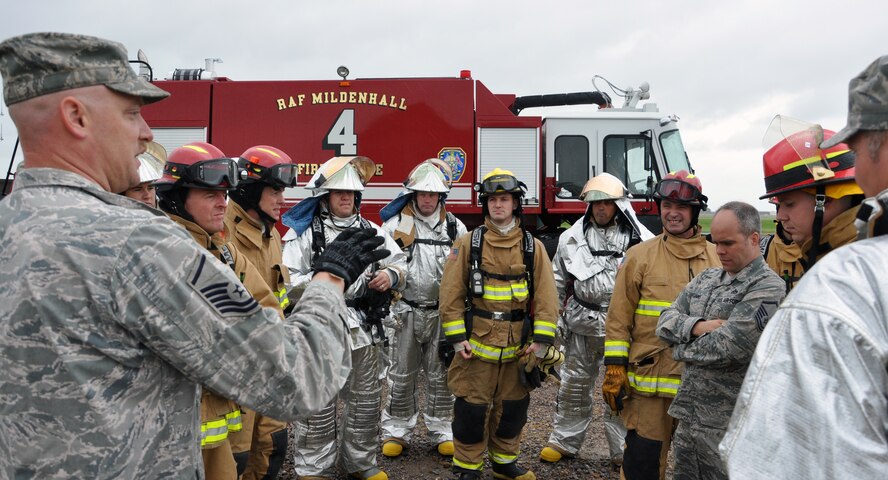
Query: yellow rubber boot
(392, 448)
(446, 448)
(549, 454)
(371, 474)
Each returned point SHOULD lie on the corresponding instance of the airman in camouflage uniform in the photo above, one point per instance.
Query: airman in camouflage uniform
(113, 317)
(713, 327)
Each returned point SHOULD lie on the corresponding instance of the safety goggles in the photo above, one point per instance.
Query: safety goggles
(219, 172)
(501, 183)
(280, 175)
(679, 191)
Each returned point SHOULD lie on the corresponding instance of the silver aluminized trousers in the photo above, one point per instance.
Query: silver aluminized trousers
(583, 357)
(315, 437)
(414, 345)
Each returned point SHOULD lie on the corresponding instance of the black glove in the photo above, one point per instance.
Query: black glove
(446, 352)
(529, 371)
(351, 253)
(530, 376)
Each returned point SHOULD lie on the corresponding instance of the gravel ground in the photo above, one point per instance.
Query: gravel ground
(422, 461)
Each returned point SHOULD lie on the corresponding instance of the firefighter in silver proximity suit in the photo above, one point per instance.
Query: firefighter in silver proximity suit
(585, 266)
(425, 230)
(314, 223)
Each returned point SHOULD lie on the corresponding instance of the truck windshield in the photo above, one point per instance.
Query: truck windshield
(674, 151)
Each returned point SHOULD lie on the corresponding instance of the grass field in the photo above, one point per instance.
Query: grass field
(768, 225)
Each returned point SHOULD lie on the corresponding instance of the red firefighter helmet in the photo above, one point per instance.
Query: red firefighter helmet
(267, 164)
(681, 187)
(199, 165)
(793, 159)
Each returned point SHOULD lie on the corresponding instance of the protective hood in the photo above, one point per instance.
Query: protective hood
(299, 216)
(396, 205)
(627, 214)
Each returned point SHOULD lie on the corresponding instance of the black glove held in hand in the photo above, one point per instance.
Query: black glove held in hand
(351, 253)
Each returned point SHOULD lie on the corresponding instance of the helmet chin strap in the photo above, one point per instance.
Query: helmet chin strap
(817, 228)
(173, 202)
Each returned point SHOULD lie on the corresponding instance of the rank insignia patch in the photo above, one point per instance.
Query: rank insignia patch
(764, 313)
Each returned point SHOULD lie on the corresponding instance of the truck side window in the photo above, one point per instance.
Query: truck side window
(624, 159)
(571, 164)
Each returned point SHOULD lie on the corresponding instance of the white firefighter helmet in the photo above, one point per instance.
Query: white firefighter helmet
(603, 187)
(151, 162)
(432, 175)
(342, 173)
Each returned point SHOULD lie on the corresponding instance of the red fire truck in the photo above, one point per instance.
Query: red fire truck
(399, 122)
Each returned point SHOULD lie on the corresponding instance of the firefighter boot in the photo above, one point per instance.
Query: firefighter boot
(511, 471)
(392, 448)
(445, 448)
(551, 454)
(370, 474)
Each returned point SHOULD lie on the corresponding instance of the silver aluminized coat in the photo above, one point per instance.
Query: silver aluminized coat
(592, 277)
(316, 436)
(814, 404)
(297, 255)
(415, 339)
(106, 337)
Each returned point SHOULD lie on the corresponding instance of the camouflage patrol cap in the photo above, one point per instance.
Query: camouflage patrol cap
(867, 102)
(42, 63)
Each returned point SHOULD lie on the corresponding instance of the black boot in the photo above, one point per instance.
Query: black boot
(470, 476)
(511, 471)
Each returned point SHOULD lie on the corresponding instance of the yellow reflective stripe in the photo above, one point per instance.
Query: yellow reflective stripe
(498, 294)
(651, 308)
(492, 353)
(282, 297)
(808, 160)
(519, 290)
(616, 348)
(503, 293)
(502, 458)
(235, 422)
(455, 327)
(213, 431)
(541, 327)
(654, 384)
(466, 465)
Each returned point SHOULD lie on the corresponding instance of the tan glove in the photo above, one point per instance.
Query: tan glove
(551, 360)
(615, 386)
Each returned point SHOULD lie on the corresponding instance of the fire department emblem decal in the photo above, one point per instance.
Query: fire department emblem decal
(456, 158)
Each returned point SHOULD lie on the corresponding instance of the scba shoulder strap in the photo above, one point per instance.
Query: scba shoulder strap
(528, 247)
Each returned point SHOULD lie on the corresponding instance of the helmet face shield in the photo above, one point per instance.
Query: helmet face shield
(671, 189)
(220, 172)
(431, 175)
(793, 157)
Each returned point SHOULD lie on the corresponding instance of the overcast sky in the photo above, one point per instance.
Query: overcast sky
(725, 68)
